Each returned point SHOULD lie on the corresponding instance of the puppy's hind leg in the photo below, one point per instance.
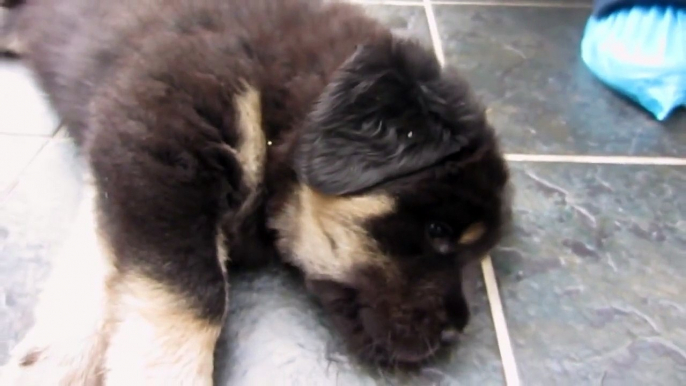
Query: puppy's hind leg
(67, 343)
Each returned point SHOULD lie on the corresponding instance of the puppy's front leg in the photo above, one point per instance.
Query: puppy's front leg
(170, 295)
(159, 339)
(148, 292)
(114, 316)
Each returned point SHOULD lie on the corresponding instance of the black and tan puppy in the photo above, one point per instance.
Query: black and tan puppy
(221, 132)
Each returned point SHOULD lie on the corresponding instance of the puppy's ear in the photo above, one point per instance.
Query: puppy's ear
(389, 111)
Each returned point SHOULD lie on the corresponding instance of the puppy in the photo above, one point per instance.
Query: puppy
(226, 132)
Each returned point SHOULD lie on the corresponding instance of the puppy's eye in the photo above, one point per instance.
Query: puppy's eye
(439, 230)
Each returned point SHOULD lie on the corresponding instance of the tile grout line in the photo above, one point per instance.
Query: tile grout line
(49, 140)
(497, 313)
(27, 135)
(15, 181)
(433, 32)
(596, 159)
(500, 323)
(60, 133)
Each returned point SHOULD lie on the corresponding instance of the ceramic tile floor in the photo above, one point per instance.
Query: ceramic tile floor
(591, 280)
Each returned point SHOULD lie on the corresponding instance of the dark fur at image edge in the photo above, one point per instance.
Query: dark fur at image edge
(147, 90)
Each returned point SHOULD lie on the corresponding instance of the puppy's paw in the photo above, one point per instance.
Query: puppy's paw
(74, 360)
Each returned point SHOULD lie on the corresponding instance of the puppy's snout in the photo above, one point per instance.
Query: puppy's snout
(457, 309)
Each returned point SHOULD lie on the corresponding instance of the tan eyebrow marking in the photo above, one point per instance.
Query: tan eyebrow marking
(473, 233)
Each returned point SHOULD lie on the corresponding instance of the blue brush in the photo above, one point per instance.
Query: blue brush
(640, 51)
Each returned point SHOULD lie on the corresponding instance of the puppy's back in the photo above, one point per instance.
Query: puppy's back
(77, 47)
(72, 45)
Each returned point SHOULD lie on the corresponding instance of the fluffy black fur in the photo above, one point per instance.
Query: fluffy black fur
(147, 90)
(388, 112)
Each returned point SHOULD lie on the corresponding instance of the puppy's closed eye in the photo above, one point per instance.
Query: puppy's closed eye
(442, 237)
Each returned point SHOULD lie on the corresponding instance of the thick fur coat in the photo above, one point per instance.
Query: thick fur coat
(221, 133)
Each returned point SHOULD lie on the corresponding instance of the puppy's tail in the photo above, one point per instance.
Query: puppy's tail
(10, 42)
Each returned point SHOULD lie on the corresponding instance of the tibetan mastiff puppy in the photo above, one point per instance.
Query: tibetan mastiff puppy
(221, 133)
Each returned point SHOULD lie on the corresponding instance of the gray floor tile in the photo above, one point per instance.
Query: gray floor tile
(24, 109)
(525, 63)
(593, 277)
(34, 218)
(275, 333)
(15, 154)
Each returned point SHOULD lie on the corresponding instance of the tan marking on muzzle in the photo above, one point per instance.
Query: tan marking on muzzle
(472, 234)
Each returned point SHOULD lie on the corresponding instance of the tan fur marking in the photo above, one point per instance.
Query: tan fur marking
(222, 251)
(251, 152)
(310, 220)
(252, 148)
(222, 259)
(473, 233)
(127, 330)
(158, 340)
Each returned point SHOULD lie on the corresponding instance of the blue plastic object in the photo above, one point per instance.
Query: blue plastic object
(641, 53)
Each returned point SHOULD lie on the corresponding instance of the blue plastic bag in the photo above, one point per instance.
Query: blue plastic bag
(641, 53)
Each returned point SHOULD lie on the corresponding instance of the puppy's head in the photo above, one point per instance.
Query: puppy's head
(401, 184)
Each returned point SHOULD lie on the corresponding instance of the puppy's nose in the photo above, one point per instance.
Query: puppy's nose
(449, 335)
